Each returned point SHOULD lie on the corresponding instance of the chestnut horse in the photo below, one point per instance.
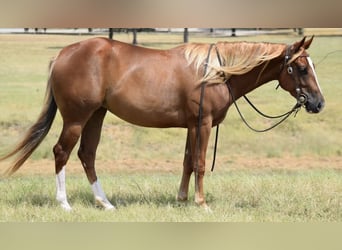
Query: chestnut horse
(159, 88)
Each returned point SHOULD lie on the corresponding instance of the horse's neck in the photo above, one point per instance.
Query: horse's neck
(266, 72)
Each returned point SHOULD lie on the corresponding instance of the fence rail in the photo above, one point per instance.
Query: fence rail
(223, 32)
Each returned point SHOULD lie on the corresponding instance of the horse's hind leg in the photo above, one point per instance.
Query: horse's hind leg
(67, 140)
(187, 171)
(87, 152)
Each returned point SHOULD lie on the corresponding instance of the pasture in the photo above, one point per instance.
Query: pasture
(292, 173)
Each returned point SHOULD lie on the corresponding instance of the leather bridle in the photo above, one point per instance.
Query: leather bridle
(301, 96)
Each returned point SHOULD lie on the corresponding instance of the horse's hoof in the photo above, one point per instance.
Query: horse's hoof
(105, 204)
(204, 205)
(64, 204)
(206, 208)
(182, 199)
(66, 207)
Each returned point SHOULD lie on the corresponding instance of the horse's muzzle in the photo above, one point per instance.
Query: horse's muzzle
(314, 105)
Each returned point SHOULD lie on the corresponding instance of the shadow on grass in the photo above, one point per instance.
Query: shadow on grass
(135, 195)
(157, 199)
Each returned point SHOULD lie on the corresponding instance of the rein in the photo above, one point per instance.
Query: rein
(284, 116)
(200, 114)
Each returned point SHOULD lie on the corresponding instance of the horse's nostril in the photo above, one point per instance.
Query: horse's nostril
(320, 106)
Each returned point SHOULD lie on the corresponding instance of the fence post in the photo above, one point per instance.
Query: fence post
(186, 35)
(135, 41)
(111, 33)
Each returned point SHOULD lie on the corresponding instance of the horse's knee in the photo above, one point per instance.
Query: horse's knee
(187, 169)
(199, 171)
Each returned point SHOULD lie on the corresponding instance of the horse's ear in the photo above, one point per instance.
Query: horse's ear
(297, 45)
(308, 43)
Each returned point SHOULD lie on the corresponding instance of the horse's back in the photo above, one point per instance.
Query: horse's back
(140, 85)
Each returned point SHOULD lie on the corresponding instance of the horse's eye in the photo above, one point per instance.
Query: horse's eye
(303, 70)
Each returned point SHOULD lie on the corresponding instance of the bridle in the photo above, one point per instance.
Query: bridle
(301, 97)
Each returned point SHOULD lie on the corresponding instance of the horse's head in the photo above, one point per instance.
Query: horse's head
(298, 77)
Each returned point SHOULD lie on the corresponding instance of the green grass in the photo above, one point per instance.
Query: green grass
(234, 193)
(239, 196)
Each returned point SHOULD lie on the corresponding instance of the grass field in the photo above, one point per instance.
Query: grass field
(292, 173)
(237, 196)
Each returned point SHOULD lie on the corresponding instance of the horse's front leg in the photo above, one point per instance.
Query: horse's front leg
(199, 155)
(199, 150)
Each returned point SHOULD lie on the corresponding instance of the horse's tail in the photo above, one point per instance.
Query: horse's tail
(37, 131)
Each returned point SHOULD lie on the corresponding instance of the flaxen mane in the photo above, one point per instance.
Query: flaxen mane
(237, 58)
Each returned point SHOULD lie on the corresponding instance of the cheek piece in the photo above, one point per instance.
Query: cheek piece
(301, 97)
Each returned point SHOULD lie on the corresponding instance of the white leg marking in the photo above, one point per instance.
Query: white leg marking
(314, 72)
(61, 196)
(100, 197)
